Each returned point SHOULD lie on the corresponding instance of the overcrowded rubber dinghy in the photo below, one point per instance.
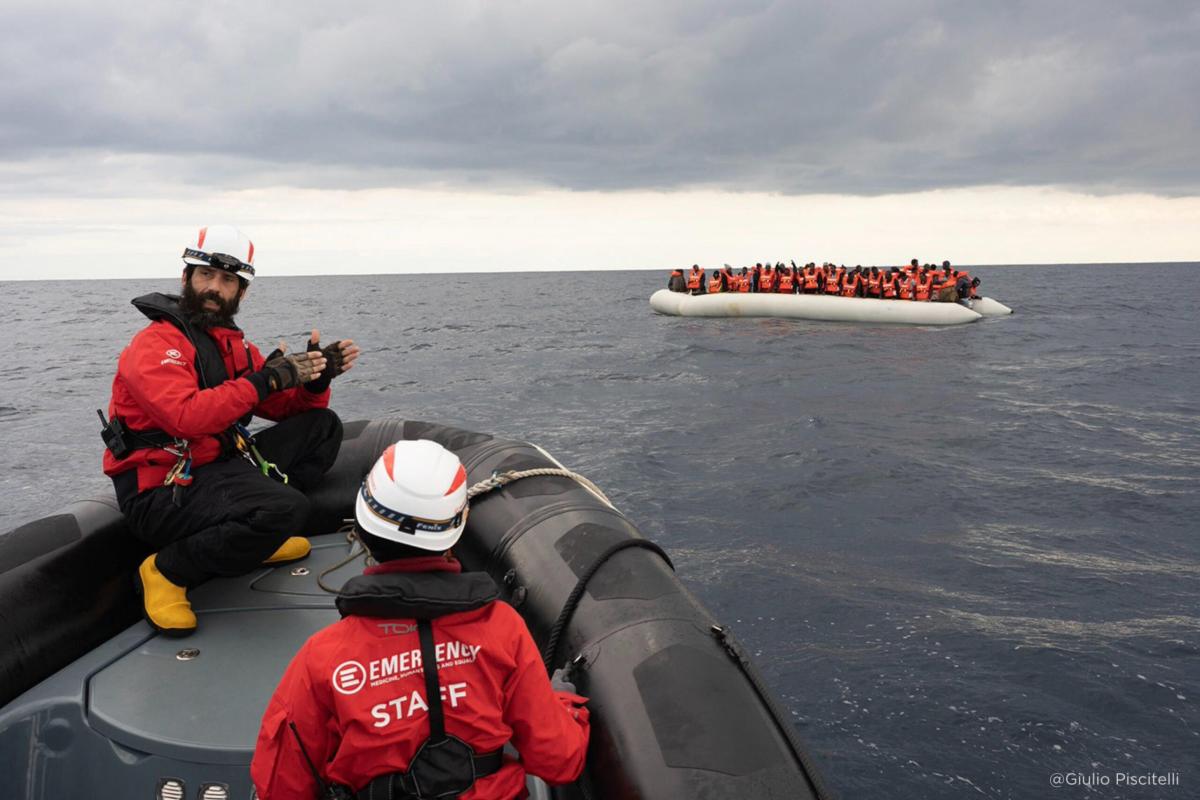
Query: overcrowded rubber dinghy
(95, 703)
(824, 307)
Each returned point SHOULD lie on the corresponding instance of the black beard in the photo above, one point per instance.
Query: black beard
(192, 305)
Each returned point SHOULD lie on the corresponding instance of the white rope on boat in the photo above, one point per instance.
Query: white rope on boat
(499, 479)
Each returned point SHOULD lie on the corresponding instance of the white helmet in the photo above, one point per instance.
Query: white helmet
(416, 494)
(222, 246)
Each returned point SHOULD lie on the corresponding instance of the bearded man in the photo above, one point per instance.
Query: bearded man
(191, 481)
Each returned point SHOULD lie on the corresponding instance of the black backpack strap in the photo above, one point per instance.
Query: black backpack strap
(433, 690)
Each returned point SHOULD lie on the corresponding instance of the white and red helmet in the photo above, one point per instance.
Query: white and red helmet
(224, 247)
(416, 494)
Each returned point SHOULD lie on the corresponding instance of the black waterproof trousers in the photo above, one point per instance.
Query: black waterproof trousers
(232, 518)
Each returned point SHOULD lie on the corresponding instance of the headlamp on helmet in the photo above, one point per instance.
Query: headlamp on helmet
(223, 247)
(416, 495)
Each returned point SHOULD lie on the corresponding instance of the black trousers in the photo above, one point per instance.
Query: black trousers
(231, 518)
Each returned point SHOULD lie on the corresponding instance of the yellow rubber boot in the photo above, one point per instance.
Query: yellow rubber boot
(293, 549)
(166, 605)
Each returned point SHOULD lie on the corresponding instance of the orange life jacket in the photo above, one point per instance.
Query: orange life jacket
(889, 285)
(786, 282)
(873, 283)
(924, 287)
(850, 284)
(766, 281)
(906, 288)
(810, 279)
(694, 278)
(714, 285)
(831, 282)
(743, 283)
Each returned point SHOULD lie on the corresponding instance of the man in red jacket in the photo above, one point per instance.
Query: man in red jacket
(427, 676)
(189, 479)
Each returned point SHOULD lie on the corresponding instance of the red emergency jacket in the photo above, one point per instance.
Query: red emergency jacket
(356, 697)
(158, 387)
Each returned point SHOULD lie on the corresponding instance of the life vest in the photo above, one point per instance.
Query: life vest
(831, 282)
(714, 285)
(694, 278)
(786, 282)
(906, 288)
(873, 283)
(743, 283)
(924, 287)
(850, 285)
(810, 279)
(889, 285)
(766, 282)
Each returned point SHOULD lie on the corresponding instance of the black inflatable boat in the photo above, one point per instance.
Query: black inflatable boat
(93, 703)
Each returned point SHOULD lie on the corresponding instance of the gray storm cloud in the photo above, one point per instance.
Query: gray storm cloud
(792, 97)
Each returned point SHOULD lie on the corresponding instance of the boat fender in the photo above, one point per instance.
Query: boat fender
(550, 652)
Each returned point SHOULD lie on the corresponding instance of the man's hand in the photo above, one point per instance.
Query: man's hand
(339, 357)
(284, 371)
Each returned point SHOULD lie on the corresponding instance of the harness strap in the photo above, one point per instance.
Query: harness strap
(433, 690)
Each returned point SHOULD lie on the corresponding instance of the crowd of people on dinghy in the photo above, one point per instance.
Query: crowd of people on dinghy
(916, 282)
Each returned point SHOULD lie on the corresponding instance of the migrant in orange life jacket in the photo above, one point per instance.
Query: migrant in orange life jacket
(810, 279)
(874, 281)
(786, 282)
(832, 282)
(906, 287)
(694, 278)
(743, 282)
(924, 286)
(714, 284)
(766, 281)
(888, 285)
(850, 285)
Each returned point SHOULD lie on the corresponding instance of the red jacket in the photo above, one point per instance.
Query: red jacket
(157, 388)
(356, 699)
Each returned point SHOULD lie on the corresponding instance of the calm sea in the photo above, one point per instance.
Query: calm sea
(966, 559)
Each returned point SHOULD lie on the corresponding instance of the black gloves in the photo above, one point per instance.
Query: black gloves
(333, 366)
(284, 372)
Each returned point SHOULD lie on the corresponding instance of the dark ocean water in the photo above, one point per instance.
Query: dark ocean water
(966, 559)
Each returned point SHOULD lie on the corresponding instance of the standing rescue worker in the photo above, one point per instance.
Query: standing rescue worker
(191, 482)
(467, 679)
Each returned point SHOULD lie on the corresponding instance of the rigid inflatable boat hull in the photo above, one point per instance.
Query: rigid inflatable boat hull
(811, 306)
(677, 711)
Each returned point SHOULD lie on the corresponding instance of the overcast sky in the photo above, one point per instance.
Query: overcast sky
(519, 133)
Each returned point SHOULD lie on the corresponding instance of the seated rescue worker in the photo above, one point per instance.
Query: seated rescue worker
(190, 480)
(470, 678)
